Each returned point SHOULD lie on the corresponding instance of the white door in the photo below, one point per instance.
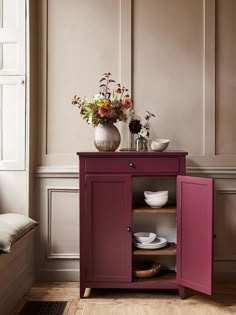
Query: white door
(12, 122)
(12, 84)
(12, 37)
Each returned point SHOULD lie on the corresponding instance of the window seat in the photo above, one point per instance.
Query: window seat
(17, 274)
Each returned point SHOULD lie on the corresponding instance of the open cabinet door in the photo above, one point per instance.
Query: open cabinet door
(194, 233)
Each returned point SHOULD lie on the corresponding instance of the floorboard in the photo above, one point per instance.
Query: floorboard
(132, 302)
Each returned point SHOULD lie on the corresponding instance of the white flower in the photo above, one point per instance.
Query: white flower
(98, 96)
(90, 120)
(143, 132)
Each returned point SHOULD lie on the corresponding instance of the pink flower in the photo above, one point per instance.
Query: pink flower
(126, 102)
(104, 110)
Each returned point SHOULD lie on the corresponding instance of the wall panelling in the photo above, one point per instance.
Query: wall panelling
(177, 57)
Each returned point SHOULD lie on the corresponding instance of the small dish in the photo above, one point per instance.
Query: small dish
(144, 237)
(159, 144)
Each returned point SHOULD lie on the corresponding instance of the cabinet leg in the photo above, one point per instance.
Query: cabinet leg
(82, 291)
(182, 292)
(185, 293)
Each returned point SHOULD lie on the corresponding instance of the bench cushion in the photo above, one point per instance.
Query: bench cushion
(12, 227)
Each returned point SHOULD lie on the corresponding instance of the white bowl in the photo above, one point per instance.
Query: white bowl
(157, 202)
(153, 194)
(144, 237)
(157, 199)
(159, 144)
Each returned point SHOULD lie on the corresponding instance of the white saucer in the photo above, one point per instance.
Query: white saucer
(159, 242)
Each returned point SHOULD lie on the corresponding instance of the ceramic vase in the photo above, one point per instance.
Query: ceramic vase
(107, 137)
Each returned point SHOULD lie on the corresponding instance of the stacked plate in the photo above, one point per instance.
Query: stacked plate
(159, 242)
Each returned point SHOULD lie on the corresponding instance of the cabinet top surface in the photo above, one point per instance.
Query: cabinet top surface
(132, 153)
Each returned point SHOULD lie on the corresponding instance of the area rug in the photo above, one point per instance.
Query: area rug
(43, 308)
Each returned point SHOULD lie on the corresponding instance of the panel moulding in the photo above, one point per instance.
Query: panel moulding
(124, 68)
(1, 55)
(56, 172)
(221, 257)
(50, 254)
(73, 172)
(1, 13)
(209, 77)
(1, 124)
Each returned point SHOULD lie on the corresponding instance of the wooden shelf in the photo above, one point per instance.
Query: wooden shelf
(143, 209)
(163, 276)
(168, 250)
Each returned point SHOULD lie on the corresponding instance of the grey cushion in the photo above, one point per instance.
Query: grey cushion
(12, 227)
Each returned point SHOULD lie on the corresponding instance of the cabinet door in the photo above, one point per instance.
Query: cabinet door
(108, 220)
(194, 232)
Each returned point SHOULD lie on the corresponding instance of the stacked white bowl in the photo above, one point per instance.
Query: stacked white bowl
(144, 237)
(156, 199)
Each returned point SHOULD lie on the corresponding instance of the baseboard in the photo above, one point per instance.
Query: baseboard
(225, 277)
(58, 275)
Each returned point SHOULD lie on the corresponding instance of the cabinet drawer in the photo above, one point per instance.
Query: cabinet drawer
(168, 165)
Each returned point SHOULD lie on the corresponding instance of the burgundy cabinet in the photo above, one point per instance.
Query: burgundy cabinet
(107, 206)
(194, 232)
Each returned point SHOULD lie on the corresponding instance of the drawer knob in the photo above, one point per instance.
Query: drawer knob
(131, 165)
(129, 229)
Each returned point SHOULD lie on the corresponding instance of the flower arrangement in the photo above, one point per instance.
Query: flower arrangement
(136, 127)
(107, 107)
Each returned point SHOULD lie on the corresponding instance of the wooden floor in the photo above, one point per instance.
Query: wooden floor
(132, 302)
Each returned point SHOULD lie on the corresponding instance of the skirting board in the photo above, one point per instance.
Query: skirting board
(16, 272)
(224, 276)
(63, 275)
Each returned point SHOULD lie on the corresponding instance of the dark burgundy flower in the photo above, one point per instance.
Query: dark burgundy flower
(135, 126)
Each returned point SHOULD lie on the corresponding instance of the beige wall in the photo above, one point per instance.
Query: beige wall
(168, 69)
(164, 51)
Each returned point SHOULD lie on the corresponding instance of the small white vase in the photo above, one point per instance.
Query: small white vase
(107, 137)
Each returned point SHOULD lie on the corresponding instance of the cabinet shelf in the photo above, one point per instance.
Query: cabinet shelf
(168, 250)
(143, 209)
(164, 276)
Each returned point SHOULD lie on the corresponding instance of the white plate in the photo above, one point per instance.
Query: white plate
(159, 242)
(142, 246)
